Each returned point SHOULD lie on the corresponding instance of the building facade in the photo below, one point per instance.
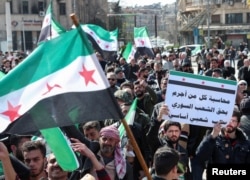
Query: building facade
(227, 19)
(26, 17)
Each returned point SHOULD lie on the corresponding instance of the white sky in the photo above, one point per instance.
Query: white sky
(142, 2)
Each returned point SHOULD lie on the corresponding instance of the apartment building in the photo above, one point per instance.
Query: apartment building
(228, 19)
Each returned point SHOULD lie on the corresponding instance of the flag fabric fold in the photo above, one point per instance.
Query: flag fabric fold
(129, 52)
(62, 150)
(56, 88)
(129, 118)
(50, 27)
(142, 41)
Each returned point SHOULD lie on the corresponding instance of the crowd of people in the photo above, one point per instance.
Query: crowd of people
(171, 150)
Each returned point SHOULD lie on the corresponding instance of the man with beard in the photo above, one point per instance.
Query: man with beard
(225, 145)
(169, 135)
(147, 97)
(34, 153)
(110, 155)
(16, 142)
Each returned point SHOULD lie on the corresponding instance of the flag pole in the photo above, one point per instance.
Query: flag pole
(127, 128)
(136, 149)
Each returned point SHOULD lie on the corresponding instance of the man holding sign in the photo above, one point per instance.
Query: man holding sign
(201, 102)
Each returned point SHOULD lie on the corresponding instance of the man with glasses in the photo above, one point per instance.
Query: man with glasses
(111, 76)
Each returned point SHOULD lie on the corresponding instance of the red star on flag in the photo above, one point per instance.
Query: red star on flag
(47, 20)
(107, 46)
(87, 75)
(203, 82)
(51, 87)
(183, 79)
(222, 85)
(12, 112)
(98, 41)
(142, 42)
(91, 32)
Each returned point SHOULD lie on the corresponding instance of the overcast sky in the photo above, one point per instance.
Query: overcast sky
(142, 2)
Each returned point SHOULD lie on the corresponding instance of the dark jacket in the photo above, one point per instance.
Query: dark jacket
(222, 150)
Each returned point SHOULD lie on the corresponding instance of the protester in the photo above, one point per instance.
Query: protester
(98, 166)
(110, 155)
(55, 172)
(34, 153)
(147, 97)
(225, 145)
(165, 163)
(8, 170)
(91, 130)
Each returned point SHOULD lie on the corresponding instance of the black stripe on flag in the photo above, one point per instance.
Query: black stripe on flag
(210, 88)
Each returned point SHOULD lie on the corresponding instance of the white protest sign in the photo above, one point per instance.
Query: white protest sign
(200, 100)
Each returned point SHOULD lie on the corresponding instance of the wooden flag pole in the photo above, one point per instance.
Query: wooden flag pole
(74, 19)
(136, 149)
(127, 128)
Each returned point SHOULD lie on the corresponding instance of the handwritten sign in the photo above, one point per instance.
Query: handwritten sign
(200, 100)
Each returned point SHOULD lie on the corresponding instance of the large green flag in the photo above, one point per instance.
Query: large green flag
(61, 83)
(129, 118)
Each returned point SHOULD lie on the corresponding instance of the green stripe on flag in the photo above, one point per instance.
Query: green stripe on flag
(206, 78)
(103, 34)
(129, 118)
(140, 32)
(61, 148)
(127, 51)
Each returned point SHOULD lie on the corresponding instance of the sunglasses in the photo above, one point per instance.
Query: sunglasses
(110, 79)
(243, 84)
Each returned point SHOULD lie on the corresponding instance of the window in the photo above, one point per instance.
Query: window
(234, 18)
(62, 8)
(25, 7)
(28, 40)
(215, 18)
(41, 6)
(248, 17)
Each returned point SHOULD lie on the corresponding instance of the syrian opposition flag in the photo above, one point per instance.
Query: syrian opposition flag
(106, 40)
(129, 118)
(50, 27)
(142, 42)
(60, 83)
(129, 52)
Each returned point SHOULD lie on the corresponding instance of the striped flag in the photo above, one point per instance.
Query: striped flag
(50, 27)
(70, 89)
(142, 41)
(129, 118)
(106, 40)
(129, 52)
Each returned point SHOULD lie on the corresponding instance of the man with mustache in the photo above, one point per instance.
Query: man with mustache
(34, 153)
(110, 155)
(225, 145)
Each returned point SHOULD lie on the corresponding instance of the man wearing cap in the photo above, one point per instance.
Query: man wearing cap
(110, 155)
(165, 164)
(120, 77)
